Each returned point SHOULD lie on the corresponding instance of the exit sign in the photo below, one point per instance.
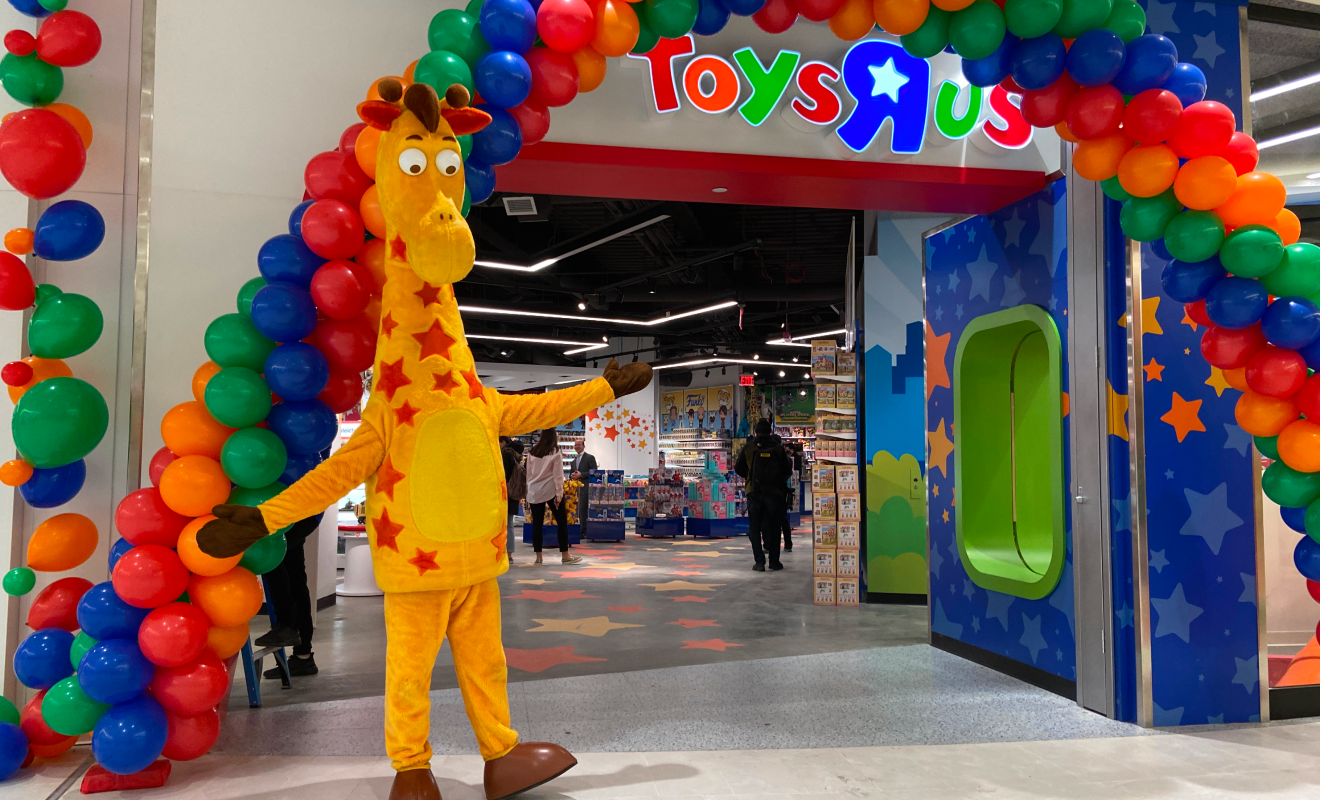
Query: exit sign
(746, 380)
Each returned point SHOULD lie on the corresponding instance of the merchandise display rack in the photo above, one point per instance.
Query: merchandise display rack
(686, 448)
(835, 479)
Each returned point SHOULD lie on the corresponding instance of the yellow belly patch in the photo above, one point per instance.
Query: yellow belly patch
(455, 492)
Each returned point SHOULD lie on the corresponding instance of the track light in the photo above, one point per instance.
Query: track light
(707, 373)
(756, 356)
(582, 306)
(634, 358)
(781, 373)
(802, 392)
(806, 376)
(754, 372)
(794, 359)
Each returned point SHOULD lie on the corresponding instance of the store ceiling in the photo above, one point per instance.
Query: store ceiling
(1283, 42)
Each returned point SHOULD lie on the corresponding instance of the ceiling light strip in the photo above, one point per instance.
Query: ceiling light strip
(1289, 137)
(1287, 86)
(719, 360)
(583, 318)
(540, 265)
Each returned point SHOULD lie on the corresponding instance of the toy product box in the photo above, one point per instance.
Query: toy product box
(846, 563)
(844, 363)
(847, 591)
(824, 533)
(848, 535)
(823, 562)
(845, 478)
(824, 591)
(848, 506)
(845, 397)
(835, 424)
(826, 396)
(823, 354)
(822, 478)
(823, 506)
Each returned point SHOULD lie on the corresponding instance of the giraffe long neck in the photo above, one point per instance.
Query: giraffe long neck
(420, 320)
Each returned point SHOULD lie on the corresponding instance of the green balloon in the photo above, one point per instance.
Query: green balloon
(1268, 446)
(233, 341)
(465, 145)
(1114, 190)
(1194, 235)
(1298, 274)
(1027, 19)
(473, 8)
(458, 32)
(977, 31)
(467, 202)
(64, 326)
(68, 710)
(1080, 16)
(1251, 251)
(253, 457)
(8, 711)
(246, 294)
(59, 421)
(53, 5)
(671, 19)
(81, 644)
(1145, 218)
(238, 397)
(19, 581)
(647, 38)
(1288, 487)
(45, 291)
(265, 555)
(441, 69)
(931, 37)
(31, 81)
(1127, 19)
(243, 496)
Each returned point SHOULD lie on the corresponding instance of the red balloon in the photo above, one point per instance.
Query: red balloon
(1151, 116)
(17, 291)
(1276, 372)
(193, 688)
(191, 737)
(143, 518)
(818, 10)
(173, 634)
(1044, 108)
(149, 575)
(68, 39)
(336, 176)
(1011, 86)
(554, 77)
(341, 289)
(1314, 589)
(776, 16)
(1196, 312)
(41, 153)
(156, 468)
(565, 25)
(34, 725)
(348, 139)
(57, 605)
(348, 344)
(1230, 349)
(1241, 152)
(342, 391)
(16, 373)
(1308, 399)
(1094, 112)
(1204, 129)
(332, 230)
(20, 43)
(533, 119)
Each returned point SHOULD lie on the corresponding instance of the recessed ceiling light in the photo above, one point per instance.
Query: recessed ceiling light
(781, 373)
(806, 376)
(794, 359)
(756, 356)
(719, 190)
(582, 306)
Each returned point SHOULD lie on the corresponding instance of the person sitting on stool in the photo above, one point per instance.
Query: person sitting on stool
(286, 585)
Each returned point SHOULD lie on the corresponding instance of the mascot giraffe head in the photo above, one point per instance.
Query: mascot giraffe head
(419, 176)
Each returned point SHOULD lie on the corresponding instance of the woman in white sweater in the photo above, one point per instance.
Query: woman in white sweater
(545, 486)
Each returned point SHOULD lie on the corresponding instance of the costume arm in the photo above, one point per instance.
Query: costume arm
(523, 413)
(352, 464)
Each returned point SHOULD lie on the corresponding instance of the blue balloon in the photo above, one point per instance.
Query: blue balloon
(1307, 558)
(503, 79)
(283, 312)
(1294, 518)
(13, 749)
(1096, 57)
(48, 488)
(130, 736)
(42, 659)
(508, 24)
(499, 142)
(1150, 61)
(1236, 303)
(117, 551)
(1291, 322)
(1187, 82)
(67, 231)
(1311, 353)
(1188, 282)
(115, 671)
(102, 615)
(295, 217)
(286, 258)
(745, 8)
(32, 8)
(712, 16)
(1039, 61)
(305, 426)
(994, 68)
(480, 179)
(296, 371)
(1157, 247)
(298, 465)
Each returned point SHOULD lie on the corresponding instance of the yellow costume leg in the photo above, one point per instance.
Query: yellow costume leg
(475, 638)
(414, 629)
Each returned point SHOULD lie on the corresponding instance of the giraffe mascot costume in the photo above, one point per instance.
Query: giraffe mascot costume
(428, 452)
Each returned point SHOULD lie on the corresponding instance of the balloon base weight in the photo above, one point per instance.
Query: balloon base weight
(99, 779)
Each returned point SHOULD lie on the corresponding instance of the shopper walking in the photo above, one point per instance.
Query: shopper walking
(580, 469)
(286, 585)
(545, 488)
(795, 458)
(515, 484)
(765, 466)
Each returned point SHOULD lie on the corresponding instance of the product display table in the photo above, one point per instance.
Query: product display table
(654, 527)
(550, 535)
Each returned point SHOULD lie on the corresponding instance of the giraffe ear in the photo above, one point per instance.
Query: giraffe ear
(466, 120)
(378, 113)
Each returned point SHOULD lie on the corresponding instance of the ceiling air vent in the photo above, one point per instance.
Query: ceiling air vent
(520, 206)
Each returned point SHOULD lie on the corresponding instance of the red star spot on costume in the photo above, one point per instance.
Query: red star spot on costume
(434, 341)
(708, 644)
(696, 623)
(542, 660)
(593, 414)
(387, 325)
(444, 382)
(473, 384)
(1184, 416)
(392, 378)
(398, 249)
(404, 414)
(429, 294)
(424, 561)
(498, 542)
(386, 531)
(387, 477)
(611, 433)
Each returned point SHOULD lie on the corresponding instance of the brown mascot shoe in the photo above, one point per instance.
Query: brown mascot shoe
(414, 784)
(526, 766)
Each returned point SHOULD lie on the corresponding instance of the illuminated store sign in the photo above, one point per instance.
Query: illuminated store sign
(884, 82)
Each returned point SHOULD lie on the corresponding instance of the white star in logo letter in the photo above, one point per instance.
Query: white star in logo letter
(887, 80)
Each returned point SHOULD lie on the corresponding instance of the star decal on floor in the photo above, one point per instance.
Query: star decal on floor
(588, 626)
(689, 598)
(703, 554)
(708, 644)
(625, 566)
(552, 597)
(625, 609)
(587, 572)
(682, 586)
(695, 623)
(686, 572)
(544, 659)
(537, 582)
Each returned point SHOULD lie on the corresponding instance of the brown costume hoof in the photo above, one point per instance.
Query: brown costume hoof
(526, 766)
(414, 784)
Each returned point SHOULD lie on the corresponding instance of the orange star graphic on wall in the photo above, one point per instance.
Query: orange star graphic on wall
(404, 414)
(937, 374)
(473, 384)
(387, 325)
(425, 562)
(444, 381)
(940, 448)
(1187, 319)
(386, 531)
(428, 294)
(1218, 381)
(634, 422)
(387, 477)
(611, 433)
(392, 378)
(593, 414)
(434, 341)
(1154, 370)
(1184, 416)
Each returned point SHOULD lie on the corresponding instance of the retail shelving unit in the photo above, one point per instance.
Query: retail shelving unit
(687, 448)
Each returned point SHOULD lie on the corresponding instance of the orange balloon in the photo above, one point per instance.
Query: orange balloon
(194, 559)
(1288, 226)
(374, 92)
(1098, 159)
(42, 368)
(193, 485)
(189, 430)
(955, 5)
(364, 150)
(900, 17)
(1237, 378)
(19, 241)
(200, 379)
(1264, 416)
(408, 73)
(617, 30)
(1205, 183)
(15, 473)
(590, 67)
(373, 313)
(1065, 133)
(372, 217)
(75, 118)
(1147, 169)
(1257, 200)
(229, 599)
(225, 642)
(1299, 446)
(372, 256)
(853, 20)
(62, 542)
(53, 750)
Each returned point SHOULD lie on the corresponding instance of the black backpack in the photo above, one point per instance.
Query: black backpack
(766, 470)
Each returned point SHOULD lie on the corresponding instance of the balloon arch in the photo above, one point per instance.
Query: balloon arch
(138, 661)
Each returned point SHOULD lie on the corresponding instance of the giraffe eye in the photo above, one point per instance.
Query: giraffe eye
(412, 161)
(448, 162)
